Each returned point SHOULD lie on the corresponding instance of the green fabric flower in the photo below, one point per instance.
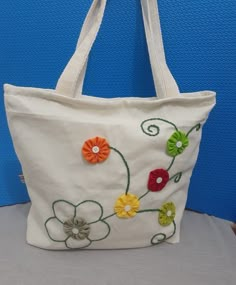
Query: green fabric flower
(177, 143)
(167, 214)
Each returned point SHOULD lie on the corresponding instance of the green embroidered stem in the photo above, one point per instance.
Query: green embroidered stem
(144, 195)
(154, 130)
(156, 237)
(127, 168)
(176, 177)
(163, 236)
(196, 127)
(103, 219)
(148, 210)
(173, 232)
(171, 164)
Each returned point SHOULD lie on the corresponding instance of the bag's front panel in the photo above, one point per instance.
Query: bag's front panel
(107, 173)
(98, 181)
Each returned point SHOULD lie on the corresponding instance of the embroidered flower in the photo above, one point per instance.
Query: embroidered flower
(157, 180)
(96, 150)
(177, 143)
(127, 206)
(167, 214)
(77, 226)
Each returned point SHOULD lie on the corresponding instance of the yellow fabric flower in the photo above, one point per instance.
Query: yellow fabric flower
(127, 206)
(167, 214)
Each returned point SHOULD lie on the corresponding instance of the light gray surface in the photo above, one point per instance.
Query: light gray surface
(206, 255)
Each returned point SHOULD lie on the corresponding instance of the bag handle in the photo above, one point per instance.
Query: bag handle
(71, 81)
(157, 39)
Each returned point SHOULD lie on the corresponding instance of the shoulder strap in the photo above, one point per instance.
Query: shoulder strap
(71, 80)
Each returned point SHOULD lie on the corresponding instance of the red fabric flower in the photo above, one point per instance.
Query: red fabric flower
(158, 179)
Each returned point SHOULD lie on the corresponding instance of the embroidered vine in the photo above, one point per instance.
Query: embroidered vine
(166, 217)
(176, 145)
(157, 240)
(176, 177)
(153, 130)
(127, 168)
(72, 224)
(196, 127)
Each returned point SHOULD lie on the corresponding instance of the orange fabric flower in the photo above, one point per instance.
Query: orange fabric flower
(96, 150)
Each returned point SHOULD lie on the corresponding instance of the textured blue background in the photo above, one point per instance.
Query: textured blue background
(38, 37)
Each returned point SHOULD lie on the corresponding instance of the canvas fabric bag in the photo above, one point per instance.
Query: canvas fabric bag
(107, 173)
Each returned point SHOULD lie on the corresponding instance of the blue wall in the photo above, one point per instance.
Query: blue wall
(38, 37)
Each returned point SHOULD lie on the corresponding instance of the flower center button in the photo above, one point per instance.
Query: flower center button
(179, 144)
(159, 180)
(95, 149)
(75, 231)
(127, 208)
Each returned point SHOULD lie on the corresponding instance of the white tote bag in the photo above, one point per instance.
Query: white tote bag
(107, 173)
